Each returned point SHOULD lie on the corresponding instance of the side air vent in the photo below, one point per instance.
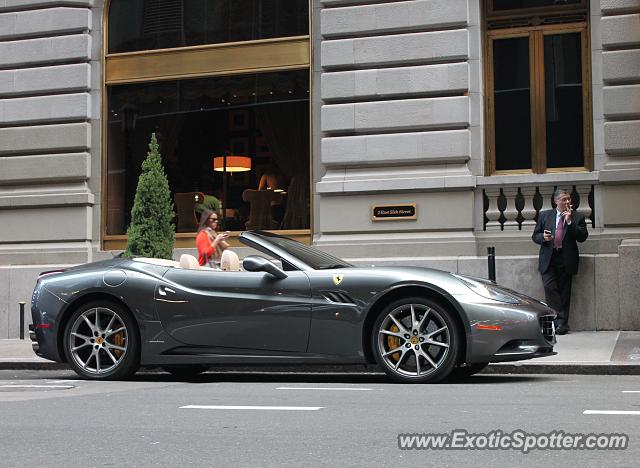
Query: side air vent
(337, 296)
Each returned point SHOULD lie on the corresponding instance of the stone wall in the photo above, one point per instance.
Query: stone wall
(49, 171)
(400, 105)
(397, 116)
(616, 81)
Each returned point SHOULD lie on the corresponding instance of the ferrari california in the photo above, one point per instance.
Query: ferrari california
(294, 304)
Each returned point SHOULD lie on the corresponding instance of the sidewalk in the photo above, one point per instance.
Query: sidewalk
(607, 352)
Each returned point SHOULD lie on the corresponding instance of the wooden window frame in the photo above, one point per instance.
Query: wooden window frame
(554, 10)
(536, 36)
(209, 60)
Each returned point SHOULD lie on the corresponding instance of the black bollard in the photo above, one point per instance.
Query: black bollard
(491, 263)
(22, 319)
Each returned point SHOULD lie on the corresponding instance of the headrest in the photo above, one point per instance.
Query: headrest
(189, 262)
(229, 261)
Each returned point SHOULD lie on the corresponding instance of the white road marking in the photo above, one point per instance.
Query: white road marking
(636, 413)
(36, 386)
(323, 388)
(630, 391)
(271, 408)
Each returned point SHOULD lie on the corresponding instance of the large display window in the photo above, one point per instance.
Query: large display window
(225, 86)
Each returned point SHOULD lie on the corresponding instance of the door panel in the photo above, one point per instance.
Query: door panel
(241, 310)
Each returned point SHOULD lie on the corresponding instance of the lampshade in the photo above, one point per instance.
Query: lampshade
(234, 163)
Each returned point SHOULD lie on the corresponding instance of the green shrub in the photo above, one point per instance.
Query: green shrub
(151, 232)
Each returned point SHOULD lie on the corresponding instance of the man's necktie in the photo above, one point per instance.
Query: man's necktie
(557, 240)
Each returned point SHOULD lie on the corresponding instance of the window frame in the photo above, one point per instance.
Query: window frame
(200, 61)
(534, 11)
(536, 36)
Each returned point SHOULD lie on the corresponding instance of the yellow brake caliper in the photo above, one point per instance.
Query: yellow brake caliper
(118, 341)
(393, 342)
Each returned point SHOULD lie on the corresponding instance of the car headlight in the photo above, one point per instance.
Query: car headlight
(488, 290)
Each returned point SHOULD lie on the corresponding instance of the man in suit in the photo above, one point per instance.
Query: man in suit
(557, 231)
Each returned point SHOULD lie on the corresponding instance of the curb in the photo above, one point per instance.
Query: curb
(26, 365)
(497, 368)
(621, 368)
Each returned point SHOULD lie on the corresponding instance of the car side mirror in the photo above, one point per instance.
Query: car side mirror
(258, 263)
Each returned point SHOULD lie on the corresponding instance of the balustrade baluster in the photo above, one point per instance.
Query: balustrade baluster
(584, 208)
(528, 211)
(510, 212)
(546, 192)
(493, 212)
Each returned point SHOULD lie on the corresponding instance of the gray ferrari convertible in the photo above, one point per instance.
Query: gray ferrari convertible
(299, 306)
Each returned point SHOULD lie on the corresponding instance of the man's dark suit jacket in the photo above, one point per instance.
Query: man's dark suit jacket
(576, 232)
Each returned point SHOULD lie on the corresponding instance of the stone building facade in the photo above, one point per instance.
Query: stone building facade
(399, 115)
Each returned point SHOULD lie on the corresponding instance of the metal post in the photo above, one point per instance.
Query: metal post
(22, 303)
(223, 215)
(491, 263)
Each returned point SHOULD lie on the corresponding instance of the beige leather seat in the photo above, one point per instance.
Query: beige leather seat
(189, 262)
(229, 261)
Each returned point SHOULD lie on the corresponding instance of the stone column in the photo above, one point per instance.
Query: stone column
(628, 281)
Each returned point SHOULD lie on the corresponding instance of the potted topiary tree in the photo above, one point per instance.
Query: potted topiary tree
(151, 232)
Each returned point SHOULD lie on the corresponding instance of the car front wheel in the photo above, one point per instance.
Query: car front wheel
(416, 340)
(101, 342)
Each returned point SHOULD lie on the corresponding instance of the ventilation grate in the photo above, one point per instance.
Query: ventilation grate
(546, 325)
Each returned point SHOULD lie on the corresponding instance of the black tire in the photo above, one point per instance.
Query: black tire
(468, 370)
(186, 372)
(114, 342)
(434, 343)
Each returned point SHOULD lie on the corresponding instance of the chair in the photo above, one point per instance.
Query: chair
(229, 261)
(185, 206)
(260, 201)
(189, 262)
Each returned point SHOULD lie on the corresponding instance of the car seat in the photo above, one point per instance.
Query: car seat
(229, 261)
(189, 262)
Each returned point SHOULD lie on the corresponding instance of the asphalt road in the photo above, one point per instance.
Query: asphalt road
(49, 418)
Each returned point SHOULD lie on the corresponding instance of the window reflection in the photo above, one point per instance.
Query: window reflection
(563, 100)
(262, 116)
(159, 24)
(512, 111)
(516, 4)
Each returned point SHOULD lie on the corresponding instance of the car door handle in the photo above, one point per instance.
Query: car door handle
(163, 291)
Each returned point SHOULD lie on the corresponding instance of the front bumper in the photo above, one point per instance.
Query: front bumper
(501, 332)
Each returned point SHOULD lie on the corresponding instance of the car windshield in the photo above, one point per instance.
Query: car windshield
(315, 258)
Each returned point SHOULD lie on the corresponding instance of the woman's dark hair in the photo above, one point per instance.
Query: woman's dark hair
(204, 218)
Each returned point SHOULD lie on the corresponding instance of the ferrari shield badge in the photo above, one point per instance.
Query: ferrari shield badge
(337, 279)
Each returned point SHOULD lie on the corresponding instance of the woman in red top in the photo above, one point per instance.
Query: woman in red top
(210, 244)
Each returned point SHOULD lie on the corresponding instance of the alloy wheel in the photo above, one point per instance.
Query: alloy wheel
(414, 340)
(98, 340)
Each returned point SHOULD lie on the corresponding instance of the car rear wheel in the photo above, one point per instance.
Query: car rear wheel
(101, 342)
(416, 340)
(186, 372)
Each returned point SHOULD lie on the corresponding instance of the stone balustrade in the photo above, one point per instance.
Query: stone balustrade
(516, 207)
